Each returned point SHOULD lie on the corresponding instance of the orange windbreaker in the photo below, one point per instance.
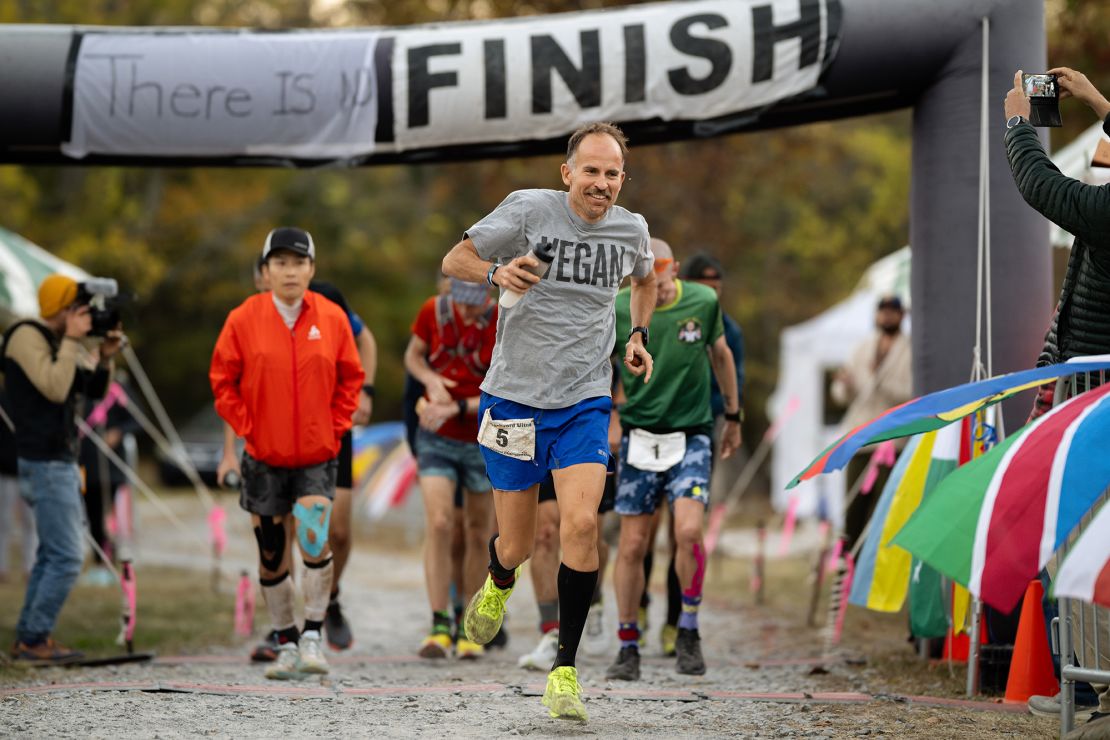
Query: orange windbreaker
(289, 394)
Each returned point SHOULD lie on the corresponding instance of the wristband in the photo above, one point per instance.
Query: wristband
(368, 389)
(489, 275)
(737, 417)
(462, 407)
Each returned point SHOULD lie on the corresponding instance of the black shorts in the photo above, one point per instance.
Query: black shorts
(272, 491)
(344, 474)
(608, 495)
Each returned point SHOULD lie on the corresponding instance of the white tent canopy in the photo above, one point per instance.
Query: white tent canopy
(23, 267)
(809, 352)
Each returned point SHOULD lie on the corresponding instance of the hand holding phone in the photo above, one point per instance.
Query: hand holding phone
(1043, 91)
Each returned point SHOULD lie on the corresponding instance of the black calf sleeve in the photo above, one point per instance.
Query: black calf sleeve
(575, 590)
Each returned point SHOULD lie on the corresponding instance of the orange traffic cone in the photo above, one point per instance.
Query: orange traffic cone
(1031, 666)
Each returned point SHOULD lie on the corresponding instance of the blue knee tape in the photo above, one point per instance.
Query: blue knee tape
(314, 520)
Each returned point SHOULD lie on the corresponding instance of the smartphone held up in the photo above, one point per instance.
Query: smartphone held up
(1043, 92)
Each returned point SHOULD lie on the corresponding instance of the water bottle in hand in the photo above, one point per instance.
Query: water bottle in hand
(544, 254)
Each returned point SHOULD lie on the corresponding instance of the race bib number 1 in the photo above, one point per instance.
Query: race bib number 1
(655, 452)
(511, 437)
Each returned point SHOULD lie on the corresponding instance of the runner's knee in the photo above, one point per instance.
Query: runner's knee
(633, 546)
(513, 552)
(579, 528)
(687, 535)
(312, 523)
(441, 524)
(547, 533)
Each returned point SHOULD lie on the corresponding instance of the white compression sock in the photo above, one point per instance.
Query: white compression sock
(317, 590)
(279, 602)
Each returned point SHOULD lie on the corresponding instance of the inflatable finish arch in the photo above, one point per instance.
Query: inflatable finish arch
(666, 71)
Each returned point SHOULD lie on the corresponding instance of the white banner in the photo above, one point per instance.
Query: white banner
(541, 78)
(218, 94)
(314, 95)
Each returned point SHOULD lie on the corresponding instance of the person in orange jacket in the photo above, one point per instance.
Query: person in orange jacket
(286, 376)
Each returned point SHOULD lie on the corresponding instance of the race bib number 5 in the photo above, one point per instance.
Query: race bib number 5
(511, 437)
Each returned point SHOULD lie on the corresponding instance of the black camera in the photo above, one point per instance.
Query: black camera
(101, 296)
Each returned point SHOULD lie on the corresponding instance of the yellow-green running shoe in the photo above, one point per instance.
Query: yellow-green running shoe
(667, 636)
(486, 611)
(563, 695)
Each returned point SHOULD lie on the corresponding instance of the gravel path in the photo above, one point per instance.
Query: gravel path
(380, 689)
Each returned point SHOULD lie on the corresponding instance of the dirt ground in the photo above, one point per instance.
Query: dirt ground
(761, 680)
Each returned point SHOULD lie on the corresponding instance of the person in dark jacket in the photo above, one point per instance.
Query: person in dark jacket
(1081, 323)
(47, 370)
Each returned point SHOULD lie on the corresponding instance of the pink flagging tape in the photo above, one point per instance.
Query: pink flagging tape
(233, 690)
(479, 688)
(835, 697)
(170, 660)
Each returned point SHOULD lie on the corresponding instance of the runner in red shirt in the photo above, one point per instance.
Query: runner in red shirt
(449, 352)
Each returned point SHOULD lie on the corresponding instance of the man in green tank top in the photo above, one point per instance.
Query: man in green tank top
(666, 450)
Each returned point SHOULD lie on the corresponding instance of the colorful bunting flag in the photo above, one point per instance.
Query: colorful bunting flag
(995, 522)
(936, 410)
(1085, 574)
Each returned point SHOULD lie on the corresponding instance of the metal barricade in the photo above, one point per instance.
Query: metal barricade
(1081, 632)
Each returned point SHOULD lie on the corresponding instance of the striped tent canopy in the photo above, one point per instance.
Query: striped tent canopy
(23, 266)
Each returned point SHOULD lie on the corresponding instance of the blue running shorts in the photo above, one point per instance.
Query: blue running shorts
(568, 436)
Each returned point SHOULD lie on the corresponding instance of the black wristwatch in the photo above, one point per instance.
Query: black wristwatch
(462, 407)
(643, 332)
(1015, 120)
(738, 417)
(489, 275)
(368, 389)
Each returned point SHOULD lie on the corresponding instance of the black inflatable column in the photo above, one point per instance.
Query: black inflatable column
(943, 229)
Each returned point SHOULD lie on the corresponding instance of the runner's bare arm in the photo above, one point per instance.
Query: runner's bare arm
(724, 368)
(417, 364)
(368, 354)
(641, 306)
(463, 262)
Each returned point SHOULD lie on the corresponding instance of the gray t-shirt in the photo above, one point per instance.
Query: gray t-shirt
(553, 346)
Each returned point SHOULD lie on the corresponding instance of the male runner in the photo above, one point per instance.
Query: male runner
(449, 353)
(666, 450)
(286, 376)
(545, 400)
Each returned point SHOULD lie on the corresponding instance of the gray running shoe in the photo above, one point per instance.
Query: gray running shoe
(286, 665)
(627, 665)
(337, 628)
(688, 649)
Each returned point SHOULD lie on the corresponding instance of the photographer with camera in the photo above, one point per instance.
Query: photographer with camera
(47, 371)
(1081, 323)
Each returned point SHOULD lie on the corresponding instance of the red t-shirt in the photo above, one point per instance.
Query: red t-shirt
(426, 327)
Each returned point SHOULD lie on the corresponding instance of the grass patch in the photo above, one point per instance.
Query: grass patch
(177, 613)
